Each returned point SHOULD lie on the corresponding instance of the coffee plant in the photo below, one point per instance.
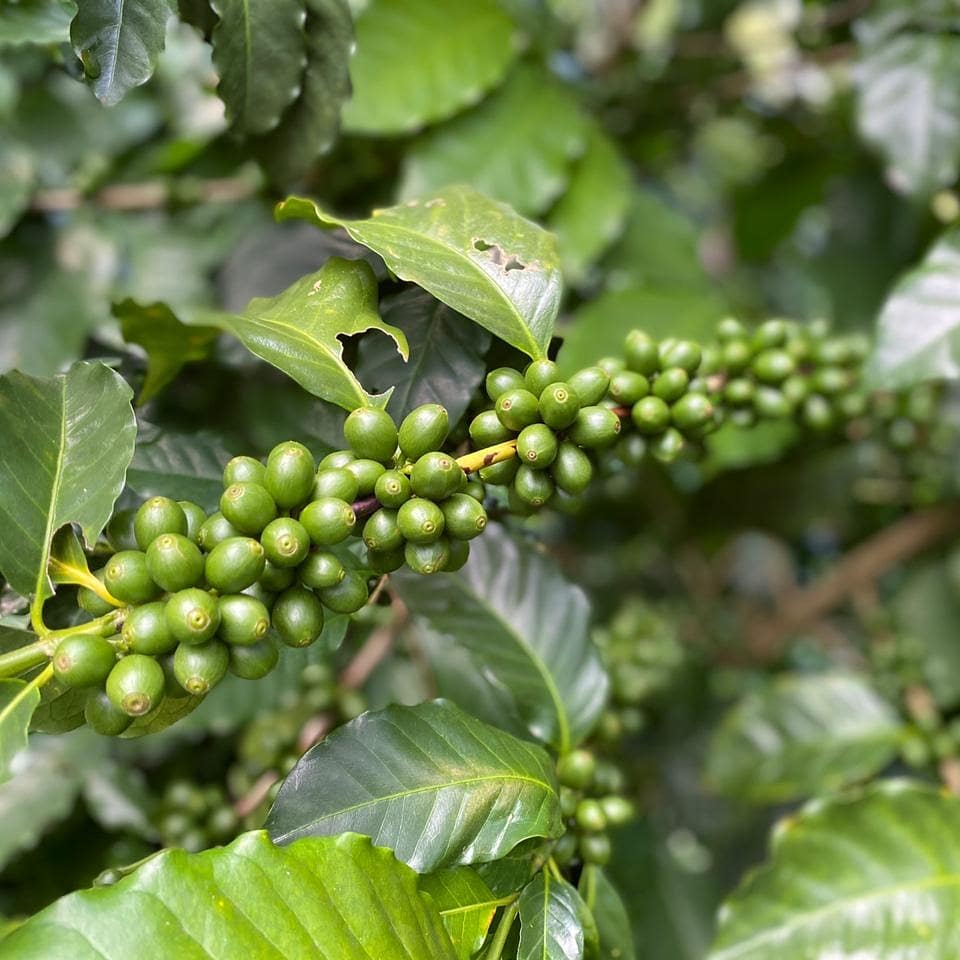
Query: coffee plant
(470, 472)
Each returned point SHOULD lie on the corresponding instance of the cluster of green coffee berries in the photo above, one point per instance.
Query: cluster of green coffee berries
(591, 803)
(194, 817)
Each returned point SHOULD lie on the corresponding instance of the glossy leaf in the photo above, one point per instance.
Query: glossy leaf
(511, 873)
(466, 906)
(418, 61)
(525, 628)
(330, 898)
(118, 43)
(870, 874)
(60, 709)
(446, 362)
(609, 913)
(259, 51)
(65, 445)
(169, 344)
(477, 256)
(918, 331)
(517, 147)
(298, 330)
(909, 108)
(18, 700)
(36, 21)
(555, 923)
(802, 735)
(432, 783)
(169, 711)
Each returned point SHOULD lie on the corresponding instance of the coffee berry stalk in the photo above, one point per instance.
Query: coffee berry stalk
(295, 542)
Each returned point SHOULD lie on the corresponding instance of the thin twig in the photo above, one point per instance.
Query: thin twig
(146, 196)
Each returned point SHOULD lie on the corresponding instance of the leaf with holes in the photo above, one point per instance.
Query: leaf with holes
(328, 898)
(432, 783)
(65, 445)
(918, 332)
(446, 356)
(298, 331)
(118, 43)
(555, 923)
(259, 50)
(466, 906)
(477, 256)
(803, 735)
(526, 631)
(169, 344)
(36, 21)
(538, 130)
(874, 873)
(419, 61)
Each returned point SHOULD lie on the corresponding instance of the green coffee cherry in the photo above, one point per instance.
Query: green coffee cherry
(216, 528)
(590, 817)
(517, 409)
(289, 475)
(487, 430)
(681, 353)
(371, 434)
(816, 414)
(627, 387)
(576, 769)
(243, 470)
(476, 489)
(459, 554)
(671, 384)
(297, 617)
(135, 684)
(641, 353)
(771, 403)
(533, 487)
(736, 356)
(274, 578)
(651, 416)
(83, 660)
(691, 412)
(464, 517)
(831, 380)
(336, 460)
(127, 578)
(739, 392)
(321, 569)
(729, 328)
(796, 389)
(427, 558)
(91, 602)
(255, 660)
(385, 561)
(539, 375)
(328, 520)
(590, 385)
(336, 482)
(668, 446)
(559, 404)
(381, 531)
(248, 506)
(423, 429)
(174, 562)
(103, 717)
(120, 533)
(285, 541)
(501, 380)
(537, 446)
(594, 427)
(348, 596)
(146, 630)
(199, 667)
(595, 848)
(500, 474)
(771, 333)
(192, 616)
(234, 564)
(244, 620)
(157, 516)
(617, 810)
(435, 476)
(393, 488)
(196, 518)
(366, 472)
(420, 521)
(571, 470)
(773, 366)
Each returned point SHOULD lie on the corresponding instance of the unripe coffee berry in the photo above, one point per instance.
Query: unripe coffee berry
(435, 476)
(83, 660)
(420, 520)
(681, 353)
(590, 817)
(651, 415)
(539, 374)
(427, 558)
(381, 531)
(146, 630)
(193, 616)
(627, 387)
(366, 472)
(336, 482)
(590, 385)
(559, 404)
(321, 569)
(595, 848)
(371, 434)
(571, 470)
(248, 506)
(501, 380)
(533, 487)
(392, 489)
(385, 561)
(771, 403)
(127, 578)
(671, 384)
(464, 517)
(120, 533)
(200, 667)
(216, 528)
(576, 769)
(517, 409)
(174, 562)
(196, 517)
(617, 810)
(348, 596)
(328, 520)
(243, 470)
(103, 716)
(297, 617)
(91, 602)
(273, 579)
(537, 446)
(255, 660)
(244, 620)
(423, 429)
(668, 446)
(594, 427)
(135, 684)
(773, 366)
(739, 391)
(285, 541)
(500, 474)
(459, 554)
(234, 564)
(290, 474)
(691, 412)
(641, 353)
(486, 429)
(157, 516)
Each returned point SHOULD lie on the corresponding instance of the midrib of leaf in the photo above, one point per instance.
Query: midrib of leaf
(112, 72)
(544, 953)
(835, 906)
(541, 667)
(477, 906)
(23, 693)
(414, 791)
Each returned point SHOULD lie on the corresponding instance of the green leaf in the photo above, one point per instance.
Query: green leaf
(298, 330)
(18, 700)
(418, 61)
(592, 212)
(466, 906)
(330, 898)
(259, 52)
(165, 714)
(555, 923)
(65, 445)
(446, 362)
(525, 628)
(432, 783)
(517, 147)
(18, 171)
(169, 343)
(118, 43)
(310, 125)
(802, 735)
(183, 466)
(60, 709)
(511, 873)
(874, 873)
(474, 254)
(609, 913)
(918, 331)
(35, 21)
(908, 108)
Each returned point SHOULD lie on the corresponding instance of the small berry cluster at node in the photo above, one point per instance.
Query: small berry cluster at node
(194, 817)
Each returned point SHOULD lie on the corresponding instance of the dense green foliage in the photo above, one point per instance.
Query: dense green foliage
(423, 534)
